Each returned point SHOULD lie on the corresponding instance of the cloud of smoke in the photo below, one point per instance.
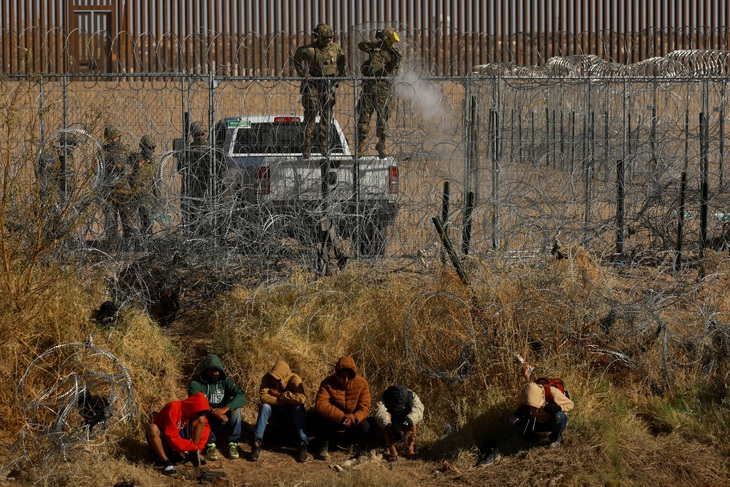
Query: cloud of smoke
(426, 97)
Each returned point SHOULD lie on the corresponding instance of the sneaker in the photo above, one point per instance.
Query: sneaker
(169, 468)
(211, 452)
(303, 456)
(491, 456)
(233, 450)
(255, 452)
(323, 453)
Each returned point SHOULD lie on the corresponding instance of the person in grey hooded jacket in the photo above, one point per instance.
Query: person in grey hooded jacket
(226, 400)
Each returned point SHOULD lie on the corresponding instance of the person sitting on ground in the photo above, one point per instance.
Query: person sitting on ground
(282, 400)
(398, 413)
(179, 430)
(226, 400)
(542, 409)
(342, 403)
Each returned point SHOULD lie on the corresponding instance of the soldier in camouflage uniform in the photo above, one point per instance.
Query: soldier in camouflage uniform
(56, 177)
(383, 61)
(56, 170)
(316, 63)
(196, 169)
(142, 181)
(116, 186)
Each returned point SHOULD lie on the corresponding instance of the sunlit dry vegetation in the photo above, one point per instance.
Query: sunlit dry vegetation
(644, 350)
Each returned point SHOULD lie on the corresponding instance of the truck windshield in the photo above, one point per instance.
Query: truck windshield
(273, 138)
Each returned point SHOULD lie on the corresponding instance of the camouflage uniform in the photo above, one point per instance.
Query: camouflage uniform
(116, 186)
(56, 170)
(383, 61)
(201, 177)
(316, 62)
(56, 178)
(142, 181)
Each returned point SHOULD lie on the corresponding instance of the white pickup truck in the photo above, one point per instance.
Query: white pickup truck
(266, 171)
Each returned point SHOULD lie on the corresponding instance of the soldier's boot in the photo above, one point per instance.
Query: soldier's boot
(381, 149)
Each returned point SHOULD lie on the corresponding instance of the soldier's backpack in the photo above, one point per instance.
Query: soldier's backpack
(546, 383)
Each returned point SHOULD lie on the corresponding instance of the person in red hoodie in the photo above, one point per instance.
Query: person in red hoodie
(180, 429)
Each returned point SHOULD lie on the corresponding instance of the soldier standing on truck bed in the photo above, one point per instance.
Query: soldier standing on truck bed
(317, 63)
(383, 62)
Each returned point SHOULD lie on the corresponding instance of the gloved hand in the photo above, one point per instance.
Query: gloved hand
(552, 409)
(396, 432)
(408, 422)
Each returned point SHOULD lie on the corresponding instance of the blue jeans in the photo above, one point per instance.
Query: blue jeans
(232, 427)
(293, 415)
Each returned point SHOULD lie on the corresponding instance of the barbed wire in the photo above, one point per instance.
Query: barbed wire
(676, 64)
(71, 396)
(546, 166)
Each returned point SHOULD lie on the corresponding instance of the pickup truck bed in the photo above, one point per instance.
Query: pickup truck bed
(361, 194)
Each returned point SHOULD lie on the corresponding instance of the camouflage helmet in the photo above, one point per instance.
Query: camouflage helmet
(197, 129)
(323, 31)
(389, 36)
(147, 142)
(111, 132)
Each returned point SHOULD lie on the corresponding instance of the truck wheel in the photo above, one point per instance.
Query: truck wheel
(373, 241)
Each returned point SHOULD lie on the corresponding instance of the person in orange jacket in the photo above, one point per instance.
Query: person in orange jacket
(342, 403)
(180, 429)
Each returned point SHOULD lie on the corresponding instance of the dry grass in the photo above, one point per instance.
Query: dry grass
(621, 432)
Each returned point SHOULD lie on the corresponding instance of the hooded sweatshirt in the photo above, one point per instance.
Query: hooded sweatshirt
(384, 416)
(282, 379)
(221, 393)
(334, 399)
(533, 396)
(174, 418)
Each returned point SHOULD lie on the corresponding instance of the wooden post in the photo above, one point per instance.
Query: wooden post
(450, 249)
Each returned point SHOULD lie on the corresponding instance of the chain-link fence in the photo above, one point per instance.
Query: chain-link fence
(532, 162)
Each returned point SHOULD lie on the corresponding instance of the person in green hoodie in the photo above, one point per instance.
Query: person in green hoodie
(226, 400)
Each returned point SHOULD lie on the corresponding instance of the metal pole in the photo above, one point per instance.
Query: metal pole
(466, 234)
(620, 209)
(705, 184)
(359, 234)
(445, 214)
(213, 169)
(721, 150)
(652, 138)
(680, 220)
(495, 180)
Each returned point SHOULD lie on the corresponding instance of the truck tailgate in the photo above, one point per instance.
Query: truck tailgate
(300, 179)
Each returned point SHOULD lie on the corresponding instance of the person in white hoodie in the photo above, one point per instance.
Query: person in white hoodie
(397, 415)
